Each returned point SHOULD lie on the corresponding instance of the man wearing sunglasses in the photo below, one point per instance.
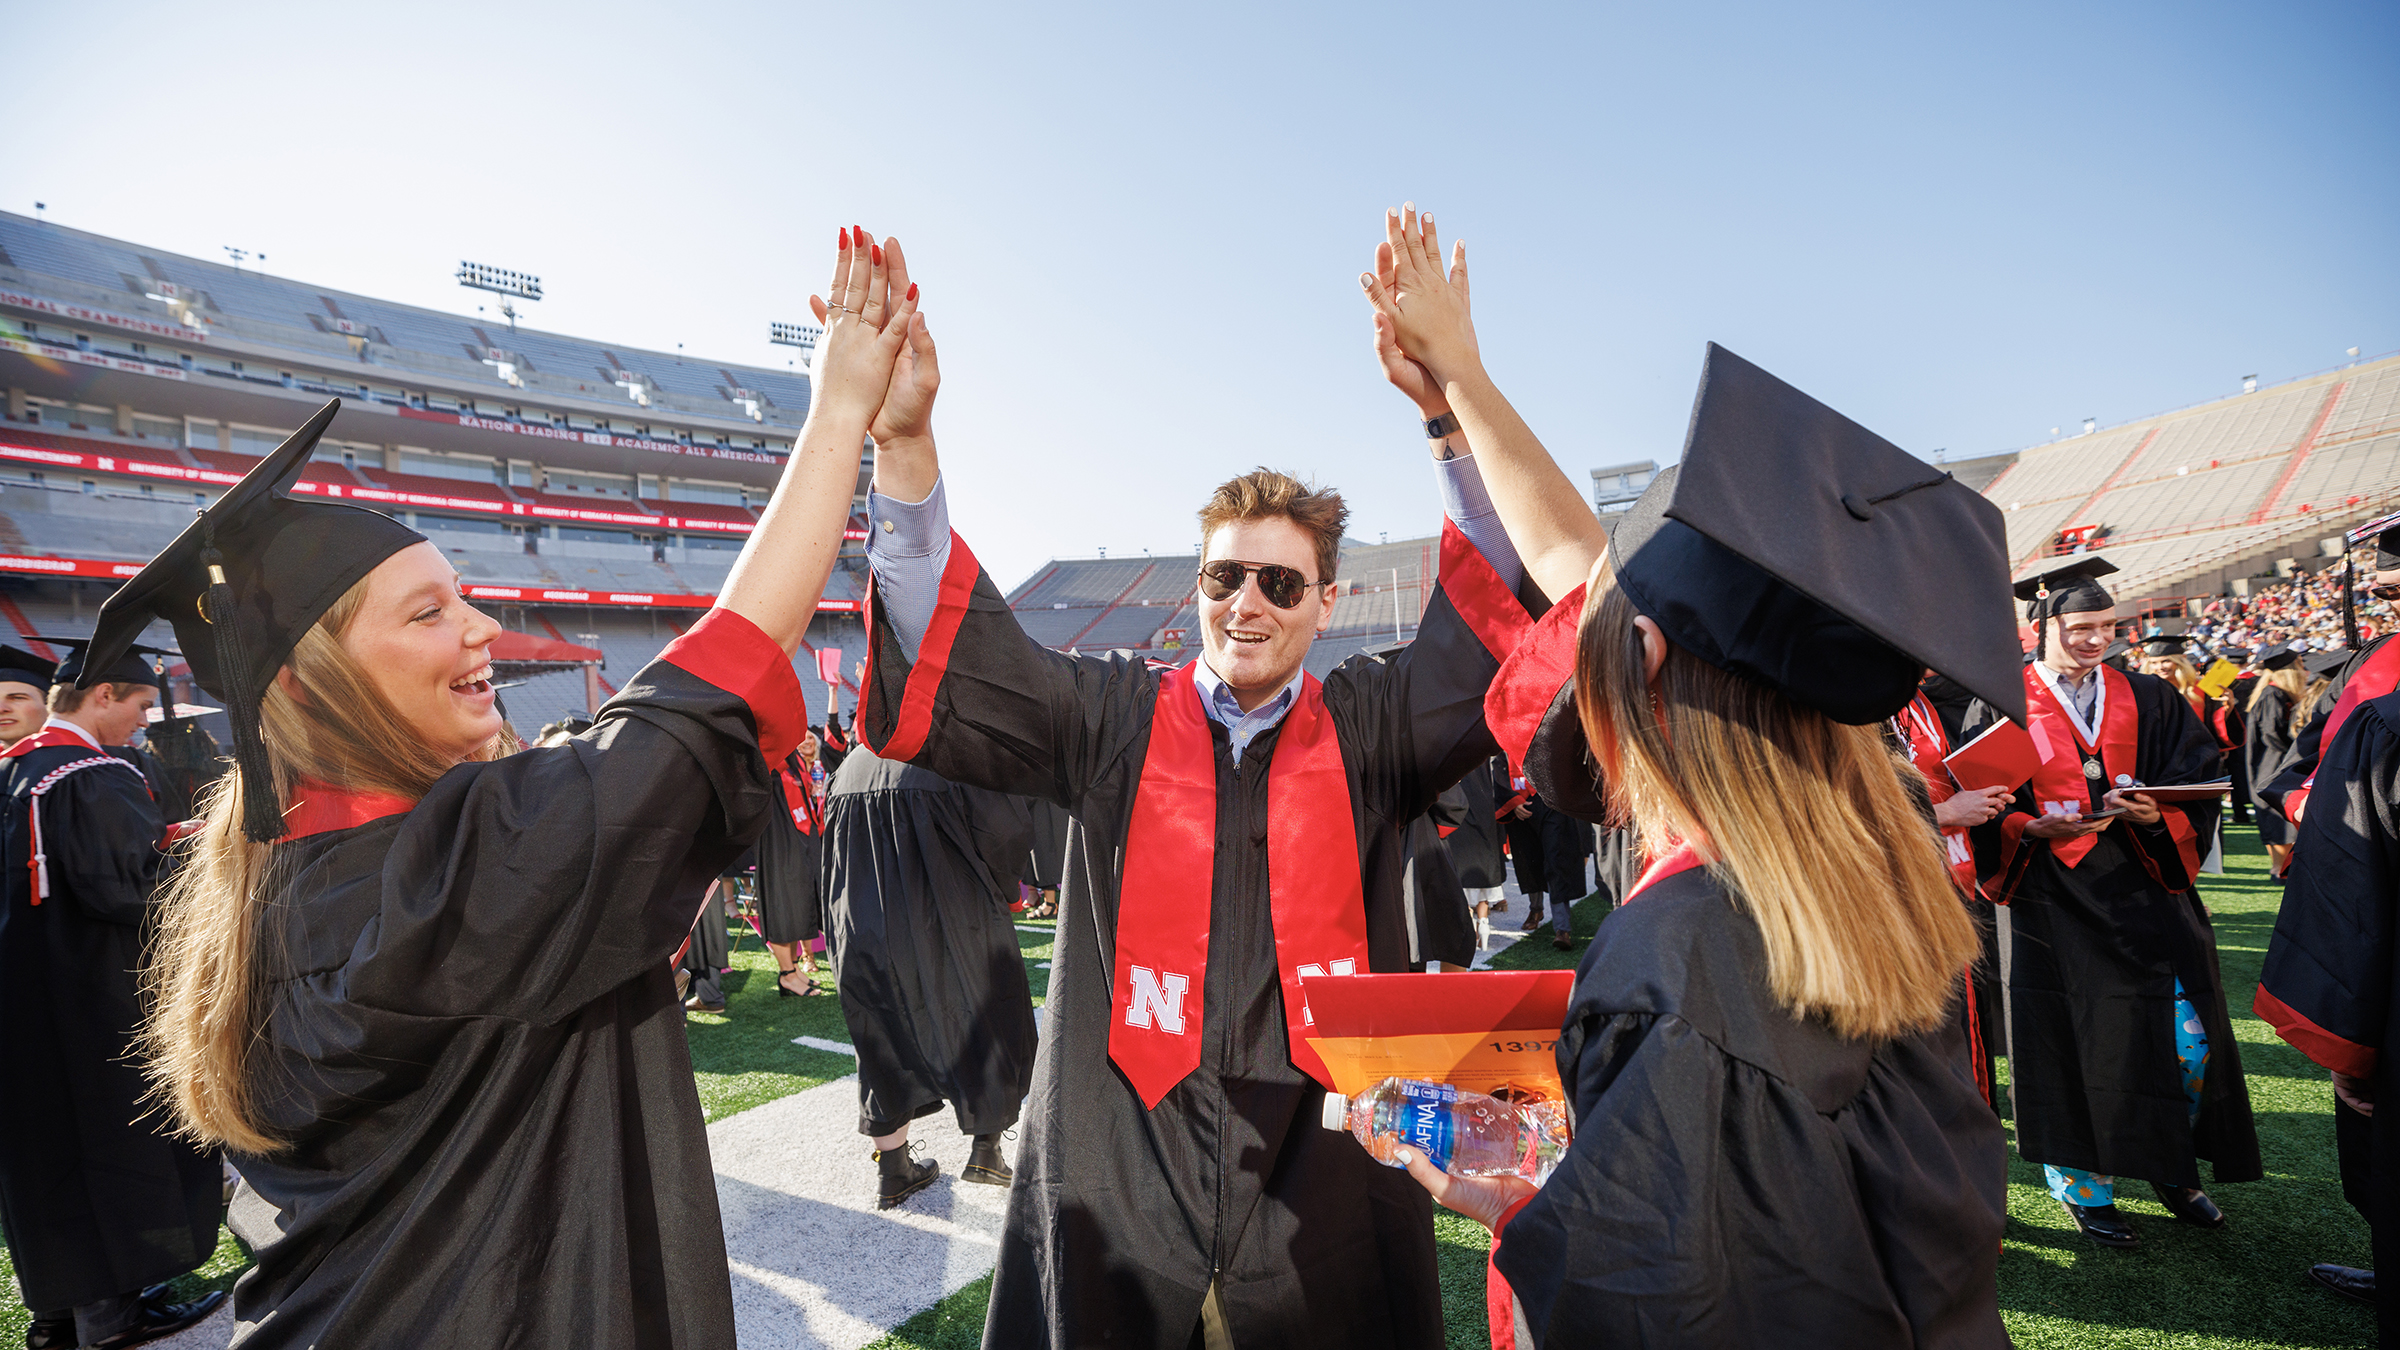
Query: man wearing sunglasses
(1239, 825)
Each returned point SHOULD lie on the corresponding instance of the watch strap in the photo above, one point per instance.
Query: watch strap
(1444, 425)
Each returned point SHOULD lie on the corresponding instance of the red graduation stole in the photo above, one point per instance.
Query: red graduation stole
(319, 808)
(2061, 777)
(796, 795)
(1314, 891)
(1921, 729)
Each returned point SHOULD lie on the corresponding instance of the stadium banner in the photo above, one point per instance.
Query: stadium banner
(39, 565)
(546, 432)
(48, 351)
(382, 497)
(124, 323)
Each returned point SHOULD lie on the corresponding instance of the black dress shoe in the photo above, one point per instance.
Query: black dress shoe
(2350, 1282)
(2102, 1224)
(2191, 1206)
(161, 1320)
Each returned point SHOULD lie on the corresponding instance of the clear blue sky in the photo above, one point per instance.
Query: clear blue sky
(1139, 226)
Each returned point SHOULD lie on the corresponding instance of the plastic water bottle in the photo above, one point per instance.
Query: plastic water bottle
(1465, 1133)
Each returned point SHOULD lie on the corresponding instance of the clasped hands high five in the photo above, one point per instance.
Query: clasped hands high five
(876, 366)
(1424, 327)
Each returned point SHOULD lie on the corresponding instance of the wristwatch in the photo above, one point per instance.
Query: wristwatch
(1444, 425)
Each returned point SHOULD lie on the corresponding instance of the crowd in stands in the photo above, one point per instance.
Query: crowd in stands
(2305, 611)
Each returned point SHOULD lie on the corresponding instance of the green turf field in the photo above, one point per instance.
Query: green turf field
(2184, 1288)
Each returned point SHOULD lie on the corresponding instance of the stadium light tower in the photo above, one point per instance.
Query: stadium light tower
(805, 336)
(509, 286)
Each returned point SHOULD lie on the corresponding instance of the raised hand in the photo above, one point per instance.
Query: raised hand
(907, 411)
(1426, 311)
(867, 321)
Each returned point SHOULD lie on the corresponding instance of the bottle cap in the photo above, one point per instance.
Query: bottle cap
(1337, 1111)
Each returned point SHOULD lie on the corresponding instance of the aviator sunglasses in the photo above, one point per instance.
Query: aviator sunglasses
(1283, 586)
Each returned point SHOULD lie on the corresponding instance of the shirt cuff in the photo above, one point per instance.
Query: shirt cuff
(908, 548)
(1468, 503)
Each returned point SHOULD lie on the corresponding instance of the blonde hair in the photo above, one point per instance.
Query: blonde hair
(205, 987)
(1810, 824)
(2291, 680)
(2178, 672)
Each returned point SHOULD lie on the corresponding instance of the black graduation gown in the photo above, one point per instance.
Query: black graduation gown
(790, 907)
(1441, 926)
(2373, 664)
(1527, 852)
(919, 873)
(95, 1198)
(1742, 1179)
(1121, 1217)
(1566, 844)
(1475, 845)
(2089, 960)
(1046, 862)
(2266, 753)
(473, 1046)
(2333, 962)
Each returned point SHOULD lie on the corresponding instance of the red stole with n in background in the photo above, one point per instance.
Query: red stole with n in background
(1157, 991)
(2061, 777)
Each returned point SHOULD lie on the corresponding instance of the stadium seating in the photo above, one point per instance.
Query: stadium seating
(2187, 501)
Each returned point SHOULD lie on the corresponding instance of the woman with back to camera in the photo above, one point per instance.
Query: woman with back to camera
(421, 990)
(1779, 1140)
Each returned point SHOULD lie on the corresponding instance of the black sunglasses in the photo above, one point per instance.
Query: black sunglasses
(1282, 586)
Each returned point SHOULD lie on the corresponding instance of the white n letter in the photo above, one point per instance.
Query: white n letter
(1159, 997)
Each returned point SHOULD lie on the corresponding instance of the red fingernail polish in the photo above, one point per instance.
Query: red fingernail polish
(845, 239)
(912, 290)
(875, 251)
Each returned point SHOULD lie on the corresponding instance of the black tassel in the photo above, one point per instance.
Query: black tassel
(2349, 594)
(262, 809)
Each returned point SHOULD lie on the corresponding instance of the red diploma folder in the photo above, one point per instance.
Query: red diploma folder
(2004, 756)
(1479, 1030)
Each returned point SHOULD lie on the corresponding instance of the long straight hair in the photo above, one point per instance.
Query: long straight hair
(1808, 822)
(204, 985)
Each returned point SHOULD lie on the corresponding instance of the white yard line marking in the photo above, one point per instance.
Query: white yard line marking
(820, 1043)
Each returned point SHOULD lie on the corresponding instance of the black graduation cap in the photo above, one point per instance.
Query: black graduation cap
(1794, 547)
(2277, 655)
(2165, 644)
(2387, 550)
(2326, 662)
(242, 583)
(2072, 589)
(128, 666)
(18, 666)
(2115, 649)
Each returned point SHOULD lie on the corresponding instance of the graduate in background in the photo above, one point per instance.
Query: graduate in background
(1237, 823)
(2327, 986)
(419, 985)
(97, 1199)
(2121, 1056)
(918, 875)
(791, 906)
(1778, 1140)
(2271, 722)
(2369, 674)
(1475, 853)
(25, 681)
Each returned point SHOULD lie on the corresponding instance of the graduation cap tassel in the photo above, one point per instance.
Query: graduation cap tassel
(2349, 596)
(262, 811)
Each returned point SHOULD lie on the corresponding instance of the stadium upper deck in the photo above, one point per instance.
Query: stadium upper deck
(2188, 502)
